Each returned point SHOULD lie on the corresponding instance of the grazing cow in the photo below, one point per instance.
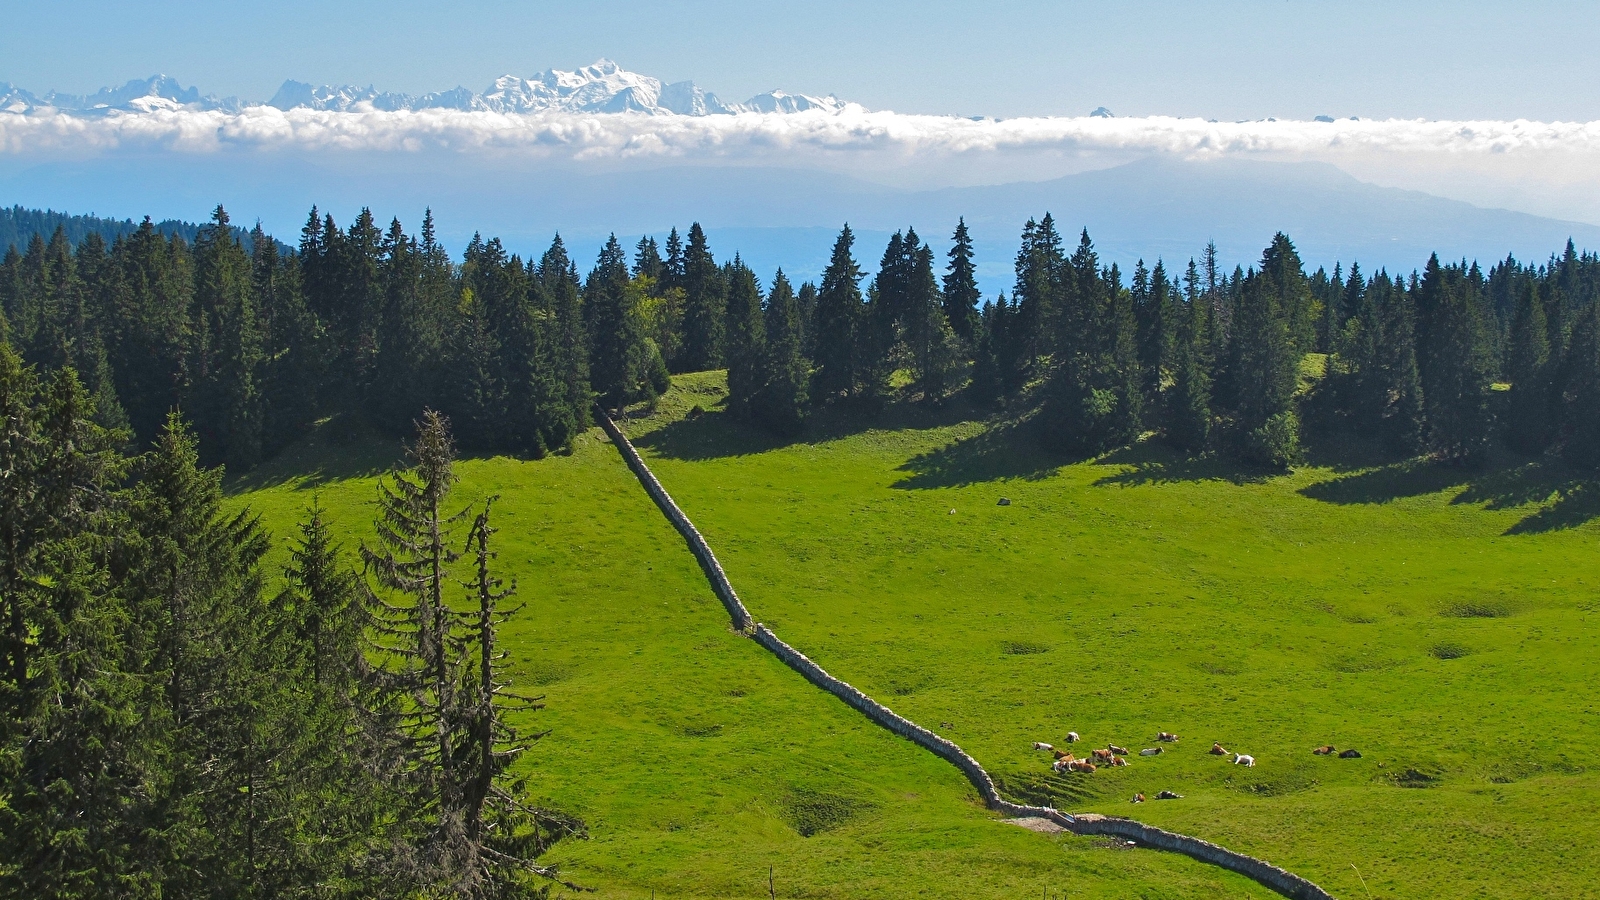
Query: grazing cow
(1061, 754)
(1324, 750)
(1167, 737)
(1350, 754)
(1218, 750)
(1040, 745)
(1242, 759)
(1060, 765)
(1102, 755)
(1072, 737)
(1120, 751)
(1083, 766)
(1118, 761)
(1168, 795)
(1139, 797)
(1153, 751)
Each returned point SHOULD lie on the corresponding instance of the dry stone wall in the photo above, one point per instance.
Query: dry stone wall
(697, 544)
(1284, 882)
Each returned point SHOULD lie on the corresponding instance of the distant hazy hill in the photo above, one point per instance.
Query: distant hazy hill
(788, 217)
(19, 225)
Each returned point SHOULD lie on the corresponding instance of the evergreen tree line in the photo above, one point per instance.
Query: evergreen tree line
(255, 346)
(173, 728)
(19, 225)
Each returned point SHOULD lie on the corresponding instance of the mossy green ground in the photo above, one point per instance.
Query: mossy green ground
(1440, 621)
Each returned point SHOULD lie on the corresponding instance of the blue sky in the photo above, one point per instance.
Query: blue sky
(1244, 59)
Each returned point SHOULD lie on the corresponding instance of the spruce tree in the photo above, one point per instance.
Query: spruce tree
(410, 625)
(961, 286)
(935, 351)
(782, 404)
(558, 281)
(501, 834)
(1528, 428)
(1266, 361)
(1189, 400)
(744, 340)
(1581, 393)
(839, 311)
(226, 357)
(1459, 364)
(704, 305)
(620, 356)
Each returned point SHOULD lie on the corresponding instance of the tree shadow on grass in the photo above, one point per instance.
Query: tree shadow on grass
(1000, 452)
(1150, 462)
(1565, 497)
(715, 434)
(336, 449)
(1387, 483)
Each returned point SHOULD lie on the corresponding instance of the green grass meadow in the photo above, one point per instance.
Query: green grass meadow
(1440, 621)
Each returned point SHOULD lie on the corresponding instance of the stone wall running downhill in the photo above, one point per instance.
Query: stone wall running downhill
(697, 544)
(1285, 883)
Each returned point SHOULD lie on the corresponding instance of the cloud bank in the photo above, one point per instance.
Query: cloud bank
(625, 136)
(1549, 168)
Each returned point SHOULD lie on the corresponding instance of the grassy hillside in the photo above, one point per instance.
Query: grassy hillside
(1440, 621)
(696, 758)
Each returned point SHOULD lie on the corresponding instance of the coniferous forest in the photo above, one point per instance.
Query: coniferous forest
(178, 725)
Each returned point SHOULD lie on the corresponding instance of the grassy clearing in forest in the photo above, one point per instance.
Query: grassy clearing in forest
(1439, 620)
(696, 758)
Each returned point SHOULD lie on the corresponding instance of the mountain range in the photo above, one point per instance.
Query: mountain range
(603, 87)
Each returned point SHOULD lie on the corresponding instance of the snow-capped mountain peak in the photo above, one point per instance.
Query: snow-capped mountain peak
(601, 87)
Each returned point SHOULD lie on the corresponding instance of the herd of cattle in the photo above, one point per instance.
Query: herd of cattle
(1114, 756)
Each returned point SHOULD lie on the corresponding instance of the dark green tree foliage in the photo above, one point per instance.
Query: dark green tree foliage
(77, 787)
(1528, 368)
(1266, 357)
(411, 633)
(704, 306)
(878, 329)
(836, 323)
(961, 286)
(1581, 393)
(171, 730)
(935, 351)
(563, 308)
(647, 262)
(781, 405)
(440, 692)
(256, 345)
(1047, 306)
(1189, 399)
(744, 340)
(1458, 364)
(622, 361)
(1155, 311)
(1384, 386)
(988, 367)
(1093, 393)
(226, 358)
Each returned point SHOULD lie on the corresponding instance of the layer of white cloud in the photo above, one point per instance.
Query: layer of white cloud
(1542, 163)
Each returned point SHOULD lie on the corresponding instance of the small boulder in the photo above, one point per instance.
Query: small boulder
(1004, 501)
